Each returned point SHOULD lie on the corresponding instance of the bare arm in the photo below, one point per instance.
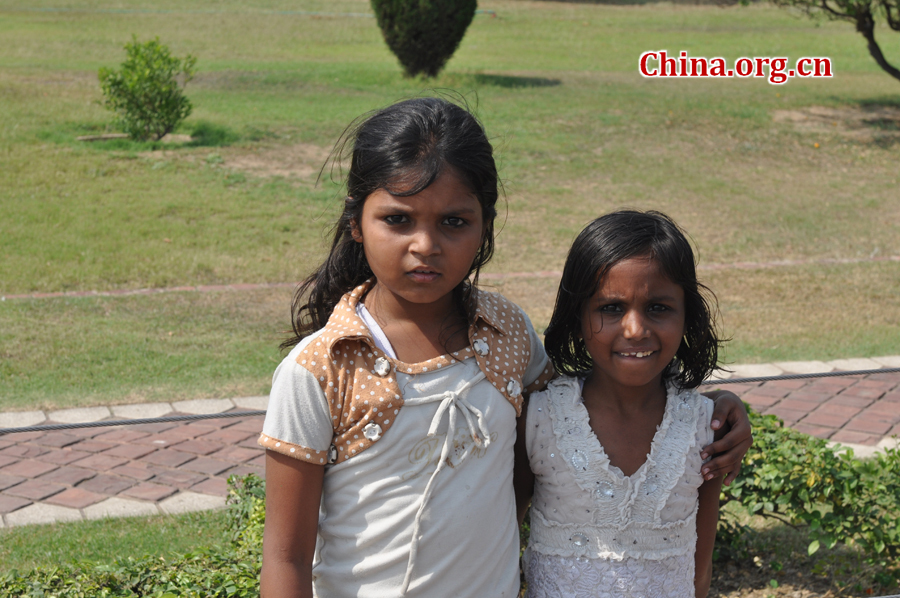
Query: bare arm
(728, 450)
(707, 520)
(293, 494)
(523, 478)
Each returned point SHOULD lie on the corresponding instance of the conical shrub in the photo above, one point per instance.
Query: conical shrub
(423, 34)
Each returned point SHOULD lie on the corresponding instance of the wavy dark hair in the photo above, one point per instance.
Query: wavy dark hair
(607, 241)
(402, 149)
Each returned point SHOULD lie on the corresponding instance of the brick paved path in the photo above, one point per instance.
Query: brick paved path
(90, 473)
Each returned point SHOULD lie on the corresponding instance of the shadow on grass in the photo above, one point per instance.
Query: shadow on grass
(505, 81)
(201, 134)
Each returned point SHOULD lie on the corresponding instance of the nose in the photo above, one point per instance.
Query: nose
(633, 324)
(425, 242)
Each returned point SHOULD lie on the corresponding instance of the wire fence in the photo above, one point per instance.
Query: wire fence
(254, 413)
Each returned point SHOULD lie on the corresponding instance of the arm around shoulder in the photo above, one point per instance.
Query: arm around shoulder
(293, 495)
(733, 436)
(707, 522)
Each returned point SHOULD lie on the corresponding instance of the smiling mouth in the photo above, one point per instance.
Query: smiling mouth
(639, 354)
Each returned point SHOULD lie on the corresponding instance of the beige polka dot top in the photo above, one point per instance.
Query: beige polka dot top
(359, 380)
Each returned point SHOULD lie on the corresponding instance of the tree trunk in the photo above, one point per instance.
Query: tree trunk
(865, 24)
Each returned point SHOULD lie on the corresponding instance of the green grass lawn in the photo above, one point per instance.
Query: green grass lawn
(578, 132)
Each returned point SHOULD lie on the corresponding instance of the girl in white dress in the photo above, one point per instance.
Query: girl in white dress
(620, 506)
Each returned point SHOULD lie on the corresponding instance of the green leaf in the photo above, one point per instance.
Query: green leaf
(813, 547)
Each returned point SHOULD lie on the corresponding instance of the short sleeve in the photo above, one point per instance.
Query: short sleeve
(298, 420)
(539, 370)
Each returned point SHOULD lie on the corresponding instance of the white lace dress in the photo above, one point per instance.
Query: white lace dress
(596, 532)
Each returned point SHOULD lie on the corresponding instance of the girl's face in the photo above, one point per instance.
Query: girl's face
(633, 324)
(421, 247)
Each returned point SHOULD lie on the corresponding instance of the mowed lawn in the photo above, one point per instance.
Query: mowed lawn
(791, 193)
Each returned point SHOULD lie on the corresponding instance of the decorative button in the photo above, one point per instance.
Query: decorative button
(382, 367)
(579, 460)
(481, 347)
(513, 389)
(372, 431)
(332, 454)
(605, 490)
(579, 539)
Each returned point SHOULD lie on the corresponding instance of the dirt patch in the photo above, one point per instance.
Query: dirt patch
(860, 123)
(301, 160)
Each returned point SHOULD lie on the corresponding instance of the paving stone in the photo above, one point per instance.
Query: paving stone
(202, 428)
(58, 439)
(169, 437)
(884, 408)
(167, 458)
(19, 437)
(206, 465)
(101, 462)
(68, 475)
(93, 446)
(251, 443)
(85, 433)
(186, 502)
(142, 410)
(789, 384)
(845, 408)
(129, 451)
(8, 504)
(863, 392)
(8, 481)
(236, 454)
(755, 370)
(120, 435)
(855, 437)
(35, 489)
(804, 367)
(62, 456)
(798, 405)
(106, 484)
(154, 428)
(867, 425)
(24, 451)
(892, 397)
(134, 469)
(198, 447)
(888, 361)
(230, 435)
(804, 394)
(40, 513)
(825, 419)
(28, 468)
(758, 402)
(178, 478)
(214, 486)
(76, 498)
(854, 364)
(7, 460)
(203, 406)
(21, 419)
(262, 403)
(829, 384)
(769, 390)
(80, 415)
(120, 507)
(149, 491)
(254, 425)
(812, 430)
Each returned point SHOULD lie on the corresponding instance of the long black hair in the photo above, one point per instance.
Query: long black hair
(402, 149)
(602, 244)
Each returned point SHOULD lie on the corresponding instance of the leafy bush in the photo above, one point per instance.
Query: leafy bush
(836, 497)
(232, 572)
(423, 34)
(145, 92)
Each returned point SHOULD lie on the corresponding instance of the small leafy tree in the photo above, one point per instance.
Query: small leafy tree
(145, 92)
(862, 14)
(423, 34)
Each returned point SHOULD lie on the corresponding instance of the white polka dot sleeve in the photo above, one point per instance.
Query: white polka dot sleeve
(298, 421)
